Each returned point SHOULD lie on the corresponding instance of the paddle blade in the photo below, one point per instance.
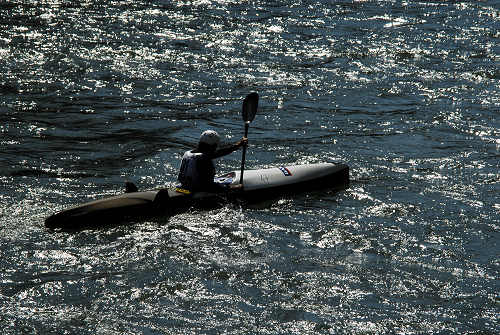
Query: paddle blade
(250, 105)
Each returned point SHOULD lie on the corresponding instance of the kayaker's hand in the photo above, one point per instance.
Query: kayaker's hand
(242, 142)
(236, 187)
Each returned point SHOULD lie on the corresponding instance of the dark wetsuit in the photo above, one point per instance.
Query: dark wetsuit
(197, 170)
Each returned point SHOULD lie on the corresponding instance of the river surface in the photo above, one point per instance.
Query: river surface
(407, 93)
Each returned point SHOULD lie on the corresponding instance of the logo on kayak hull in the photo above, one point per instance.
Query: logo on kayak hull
(285, 171)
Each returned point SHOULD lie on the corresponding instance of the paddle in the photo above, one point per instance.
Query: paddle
(249, 110)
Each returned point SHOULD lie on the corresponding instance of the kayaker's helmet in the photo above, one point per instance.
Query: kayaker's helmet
(210, 138)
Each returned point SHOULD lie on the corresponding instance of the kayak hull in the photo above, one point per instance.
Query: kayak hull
(258, 185)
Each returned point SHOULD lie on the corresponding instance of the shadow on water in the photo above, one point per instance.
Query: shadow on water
(24, 282)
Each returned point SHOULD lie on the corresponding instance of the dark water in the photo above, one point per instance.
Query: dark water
(407, 93)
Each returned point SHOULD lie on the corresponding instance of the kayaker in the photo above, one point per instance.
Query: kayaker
(197, 170)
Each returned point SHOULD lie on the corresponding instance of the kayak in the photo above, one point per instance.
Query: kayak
(259, 184)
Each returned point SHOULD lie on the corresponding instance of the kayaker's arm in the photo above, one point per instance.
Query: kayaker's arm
(229, 149)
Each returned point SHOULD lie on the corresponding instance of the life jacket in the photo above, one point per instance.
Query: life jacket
(197, 171)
